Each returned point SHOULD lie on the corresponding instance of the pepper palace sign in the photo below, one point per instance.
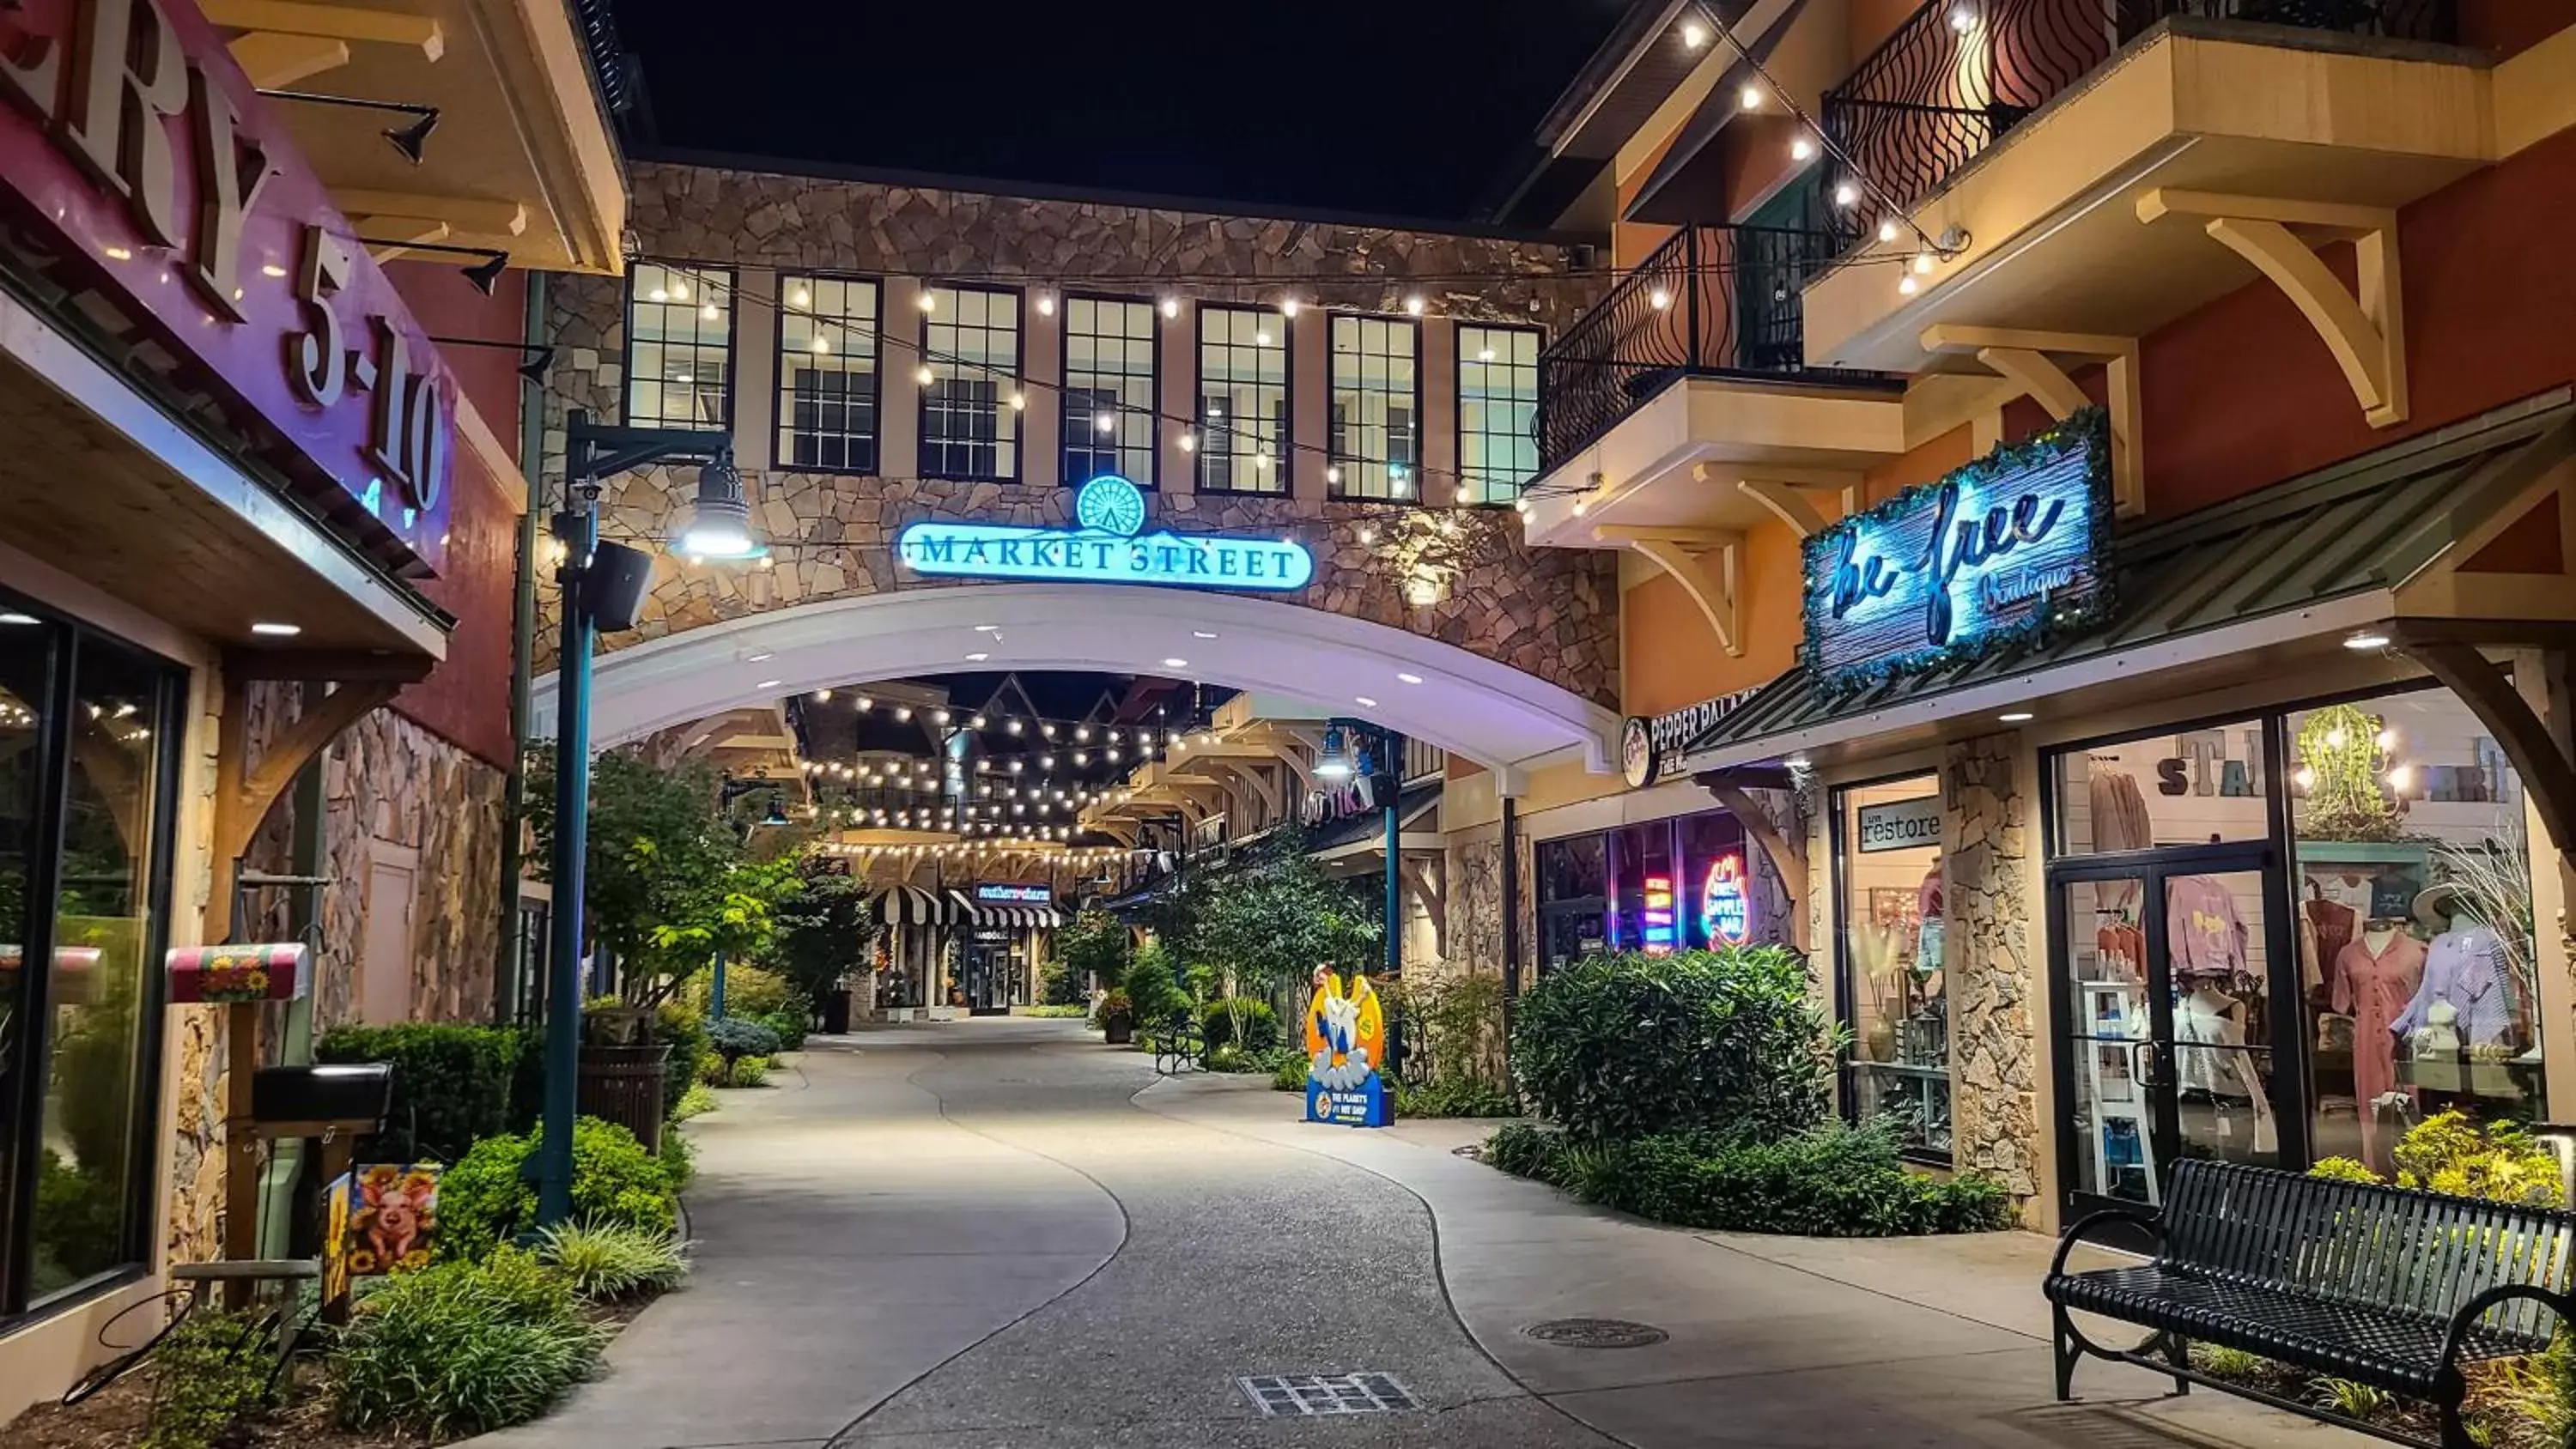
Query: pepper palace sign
(132, 145)
(1108, 547)
(2005, 550)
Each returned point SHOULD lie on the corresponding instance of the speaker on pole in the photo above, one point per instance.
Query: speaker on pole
(614, 585)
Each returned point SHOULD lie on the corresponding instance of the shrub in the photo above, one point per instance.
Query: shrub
(1458, 1096)
(791, 1025)
(748, 1072)
(1454, 1028)
(1836, 1181)
(1288, 1074)
(679, 1161)
(736, 1037)
(683, 1029)
(217, 1369)
(462, 1348)
(2449, 1152)
(1626, 1046)
(1064, 1012)
(487, 1199)
(1260, 1023)
(607, 1263)
(1153, 988)
(1114, 1008)
(749, 991)
(453, 1084)
(697, 1101)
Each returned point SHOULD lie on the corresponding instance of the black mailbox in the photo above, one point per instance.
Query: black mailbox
(361, 1092)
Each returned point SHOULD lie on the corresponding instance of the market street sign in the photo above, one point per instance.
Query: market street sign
(1108, 547)
(147, 178)
(1999, 552)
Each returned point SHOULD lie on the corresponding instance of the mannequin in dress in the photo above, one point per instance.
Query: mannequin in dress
(2376, 975)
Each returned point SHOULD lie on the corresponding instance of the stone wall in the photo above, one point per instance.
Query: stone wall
(1475, 888)
(1462, 576)
(1988, 849)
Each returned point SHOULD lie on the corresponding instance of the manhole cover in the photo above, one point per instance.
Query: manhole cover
(1596, 1333)
(1281, 1396)
(1474, 1151)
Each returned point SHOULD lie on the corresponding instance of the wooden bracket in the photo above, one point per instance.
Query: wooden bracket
(2547, 774)
(2024, 359)
(244, 796)
(1435, 901)
(1688, 555)
(273, 61)
(331, 22)
(1789, 494)
(2365, 328)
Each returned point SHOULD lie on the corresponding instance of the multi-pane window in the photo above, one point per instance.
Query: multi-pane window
(1497, 412)
(1243, 400)
(679, 346)
(827, 373)
(1109, 402)
(970, 373)
(1377, 409)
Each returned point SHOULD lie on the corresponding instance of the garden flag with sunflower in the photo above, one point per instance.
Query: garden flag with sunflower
(383, 1220)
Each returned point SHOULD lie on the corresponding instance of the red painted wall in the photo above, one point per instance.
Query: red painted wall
(466, 700)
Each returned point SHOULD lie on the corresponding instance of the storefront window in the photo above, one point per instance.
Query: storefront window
(2417, 966)
(1719, 908)
(2195, 787)
(84, 741)
(1645, 884)
(1573, 904)
(1893, 991)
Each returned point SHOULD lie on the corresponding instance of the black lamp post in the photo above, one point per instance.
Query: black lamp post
(602, 586)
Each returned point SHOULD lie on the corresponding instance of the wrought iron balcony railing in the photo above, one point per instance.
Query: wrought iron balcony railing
(1712, 301)
(1958, 74)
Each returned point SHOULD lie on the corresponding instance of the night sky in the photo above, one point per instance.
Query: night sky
(1395, 107)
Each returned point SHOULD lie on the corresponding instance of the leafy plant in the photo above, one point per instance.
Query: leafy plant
(1064, 1012)
(679, 1161)
(1269, 922)
(2220, 1361)
(1154, 993)
(658, 847)
(1452, 1097)
(1521, 1149)
(463, 1347)
(453, 1083)
(1289, 1075)
(216, 1369)
(2451, 1153)
(607, 1263)
(1095, 947)
(1454, 1029)
(697, 1101)
(1114, 1010)
(824, 928)
(2351, 1399)
(791, 1023)
(2341, 761)
(736, 1037)
(487, 1199)
(750, 991)
(1626, 1045)
(751, 1071)
(1240, 1020)
(681, 1027)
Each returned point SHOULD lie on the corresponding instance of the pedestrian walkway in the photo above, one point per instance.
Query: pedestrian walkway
(1001, 1233)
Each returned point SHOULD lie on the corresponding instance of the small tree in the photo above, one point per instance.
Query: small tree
(1274, 920)
(1094, 948)
(660, 860)
(824, 928)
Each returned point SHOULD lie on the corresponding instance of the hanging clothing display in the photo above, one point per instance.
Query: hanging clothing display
(1928, 935)
(2210, 1056)
(2375, 978)
(2120, 822)
(2334, 919)
(2123, 948)
(2205, 937)
(2468, 971)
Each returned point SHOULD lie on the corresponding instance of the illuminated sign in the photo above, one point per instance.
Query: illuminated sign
(1108, 546)
(1000, 893)
(2007, 548)
(1724, 909)
(1900, 825)
(1653, 746)
(1659, 937)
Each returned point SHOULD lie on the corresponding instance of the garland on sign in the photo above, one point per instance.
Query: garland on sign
(2063, 613)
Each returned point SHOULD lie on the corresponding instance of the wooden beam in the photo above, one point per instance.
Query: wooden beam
(272, 61)
(2026, 359)
(1435, 901)
(2166, 201)
(2547, 775)
(1787, 502)
(1713, 589)
(480, 215)
(331, 22)
(399, 233)
(2040, 377)
(1953, 337)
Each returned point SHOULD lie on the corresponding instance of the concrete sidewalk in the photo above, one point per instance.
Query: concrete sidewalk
(1774, 1341)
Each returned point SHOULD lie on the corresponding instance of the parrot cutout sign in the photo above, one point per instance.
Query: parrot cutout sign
(1345, 1043)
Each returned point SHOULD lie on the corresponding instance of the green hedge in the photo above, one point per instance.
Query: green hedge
(489, 1198)
(454, 1084)
(1260, 1023)
(1834, 1182)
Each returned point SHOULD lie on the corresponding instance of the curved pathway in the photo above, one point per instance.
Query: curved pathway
(1001, 1233)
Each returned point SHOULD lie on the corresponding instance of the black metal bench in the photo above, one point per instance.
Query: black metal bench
(2380, 1285)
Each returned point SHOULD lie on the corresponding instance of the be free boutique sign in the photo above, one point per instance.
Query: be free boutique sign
(1109, 546)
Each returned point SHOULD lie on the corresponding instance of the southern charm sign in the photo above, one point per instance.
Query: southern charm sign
(2002, 551)
(1013, 893)
(136, 156)
(1108, 547)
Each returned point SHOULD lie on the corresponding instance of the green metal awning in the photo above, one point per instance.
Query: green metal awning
(2317, 555)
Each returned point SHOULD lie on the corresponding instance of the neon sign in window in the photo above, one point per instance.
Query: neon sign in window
(1725, 910)
(1658, 936)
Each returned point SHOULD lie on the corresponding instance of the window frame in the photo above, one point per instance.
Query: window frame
(1846, 1002)
(1017, 382)
(1458, 412)
(778, 356)
(732, 344)
(1287, 455)
(22, 1109)
(1153, 383)
(1334, 457)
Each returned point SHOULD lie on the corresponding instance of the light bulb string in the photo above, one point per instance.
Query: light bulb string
(1891, 208)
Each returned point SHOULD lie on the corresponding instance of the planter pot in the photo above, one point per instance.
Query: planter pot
(623, 1084)
(1119, 1033)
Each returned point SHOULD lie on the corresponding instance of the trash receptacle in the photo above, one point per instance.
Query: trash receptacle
(836, 1012)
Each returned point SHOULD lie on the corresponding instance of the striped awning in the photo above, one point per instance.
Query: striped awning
(910, 905)
(962, 907)
(1011, 915)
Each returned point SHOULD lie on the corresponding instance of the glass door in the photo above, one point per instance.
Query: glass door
(2176, 1000)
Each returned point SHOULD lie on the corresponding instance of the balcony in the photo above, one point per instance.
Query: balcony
(1690, 376)
(2098, 160)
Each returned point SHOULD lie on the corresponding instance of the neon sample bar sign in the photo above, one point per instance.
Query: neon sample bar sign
(1725, 911)
(1658, 936)
(1109, 546)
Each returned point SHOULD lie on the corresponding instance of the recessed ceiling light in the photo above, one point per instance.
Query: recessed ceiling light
(978, 657)
(2366, 640)
(14, 617)
(1176, 664)
(277, 630)
(766, 684)
(1202, 633)
(2017, 716)
(1365, 701)
(1408, 678)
